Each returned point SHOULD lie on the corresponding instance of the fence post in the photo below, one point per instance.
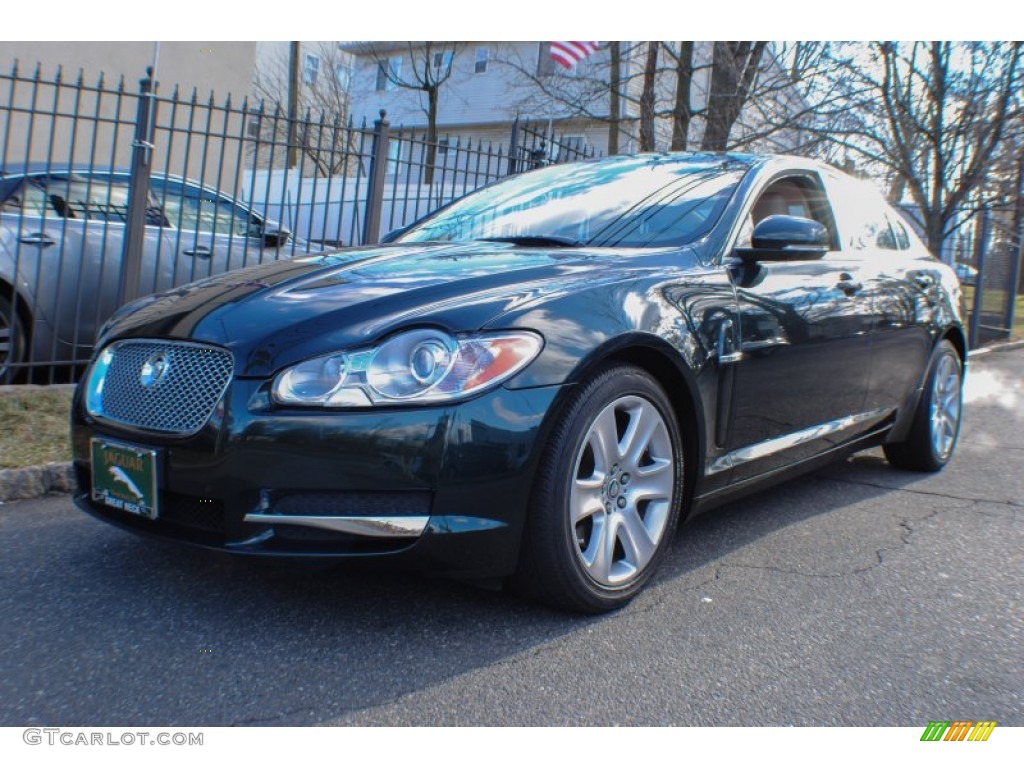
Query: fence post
(138, 193)
(375, 182)
(1018, 257)
(981, 235)
(513, 148)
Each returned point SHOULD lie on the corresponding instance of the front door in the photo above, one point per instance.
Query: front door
(804, 344)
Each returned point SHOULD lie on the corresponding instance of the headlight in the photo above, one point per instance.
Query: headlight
(421, 366)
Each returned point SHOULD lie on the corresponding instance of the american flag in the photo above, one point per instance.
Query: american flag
(568, 53)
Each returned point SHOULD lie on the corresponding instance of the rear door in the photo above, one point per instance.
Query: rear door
(903, 283)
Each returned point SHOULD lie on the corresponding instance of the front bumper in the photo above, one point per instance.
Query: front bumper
(437, 488)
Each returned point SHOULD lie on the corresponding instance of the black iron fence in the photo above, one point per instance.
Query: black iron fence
(992, 275)
(109, 192)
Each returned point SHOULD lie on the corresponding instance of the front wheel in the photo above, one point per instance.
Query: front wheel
(936, 426)
(607, 495)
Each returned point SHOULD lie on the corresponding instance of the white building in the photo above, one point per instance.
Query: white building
(493, 83)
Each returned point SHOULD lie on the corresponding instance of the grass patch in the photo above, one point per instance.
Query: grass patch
(34, 426)
(1017, 331)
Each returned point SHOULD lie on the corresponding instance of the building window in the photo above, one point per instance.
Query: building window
(442, 151)
(253, 127)
(443, 60)
(342, 76)
(482, 54)
(311, 68)
(388, 72)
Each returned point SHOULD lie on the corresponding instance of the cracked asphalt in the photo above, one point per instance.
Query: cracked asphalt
(858, 595)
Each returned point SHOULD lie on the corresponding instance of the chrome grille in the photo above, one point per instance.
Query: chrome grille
(164, 386)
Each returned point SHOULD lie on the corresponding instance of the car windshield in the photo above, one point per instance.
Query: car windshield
(645, 201)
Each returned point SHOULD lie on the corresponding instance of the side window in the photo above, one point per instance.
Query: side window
(799, 196)
(197, 210)
(28, 199)
(95, 199)
(864, 220)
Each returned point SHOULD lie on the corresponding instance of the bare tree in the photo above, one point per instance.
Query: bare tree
(317, 110)
(647, 98)
(730, 94)
(614, 97)
(931, 115)
(734, 67)
(682, 112)
(430, 67)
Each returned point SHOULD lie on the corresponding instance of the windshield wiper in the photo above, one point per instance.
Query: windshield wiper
(538, 241)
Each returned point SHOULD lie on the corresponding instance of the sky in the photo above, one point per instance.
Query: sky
(519, 20)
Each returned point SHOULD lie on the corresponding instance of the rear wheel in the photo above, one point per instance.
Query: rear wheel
(12, 341)
(936, 426)
(607, 495)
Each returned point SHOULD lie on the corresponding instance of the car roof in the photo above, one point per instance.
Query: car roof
(20, 169)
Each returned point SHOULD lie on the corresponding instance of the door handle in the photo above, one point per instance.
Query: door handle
(200, 252)
(38, 238)
(848, 285)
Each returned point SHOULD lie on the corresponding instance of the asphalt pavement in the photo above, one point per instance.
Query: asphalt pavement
(858, 595)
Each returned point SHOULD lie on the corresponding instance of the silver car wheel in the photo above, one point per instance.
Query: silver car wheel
(945, 406)
(622, 487)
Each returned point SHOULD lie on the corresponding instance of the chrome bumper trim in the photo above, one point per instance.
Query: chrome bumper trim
(379, 527)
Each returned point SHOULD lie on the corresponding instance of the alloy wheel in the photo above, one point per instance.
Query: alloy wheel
(622, 491)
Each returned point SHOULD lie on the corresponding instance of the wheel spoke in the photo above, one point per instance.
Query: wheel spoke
(643, 423)
(653, 481)
(585, 497)
(599, 553)
(604, 440)
(636, 540)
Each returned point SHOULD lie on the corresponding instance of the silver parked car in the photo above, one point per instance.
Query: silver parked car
(61, 241)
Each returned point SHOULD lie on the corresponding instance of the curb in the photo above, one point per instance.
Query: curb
(1005, 346)
(33, 482)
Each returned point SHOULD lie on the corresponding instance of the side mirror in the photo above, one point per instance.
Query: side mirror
(274, 235)
(787, 238)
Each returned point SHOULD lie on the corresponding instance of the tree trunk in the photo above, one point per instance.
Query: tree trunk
(432, 93)
(681, 113)
(734, 67)
(647, 99)
(614, 83)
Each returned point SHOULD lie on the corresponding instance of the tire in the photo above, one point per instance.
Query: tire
(606, 496)
(13, 341)
(933, 433)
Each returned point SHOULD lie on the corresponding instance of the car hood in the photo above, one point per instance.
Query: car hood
(276, 314)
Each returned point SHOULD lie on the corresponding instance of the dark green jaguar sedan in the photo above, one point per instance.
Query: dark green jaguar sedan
(535, 384)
